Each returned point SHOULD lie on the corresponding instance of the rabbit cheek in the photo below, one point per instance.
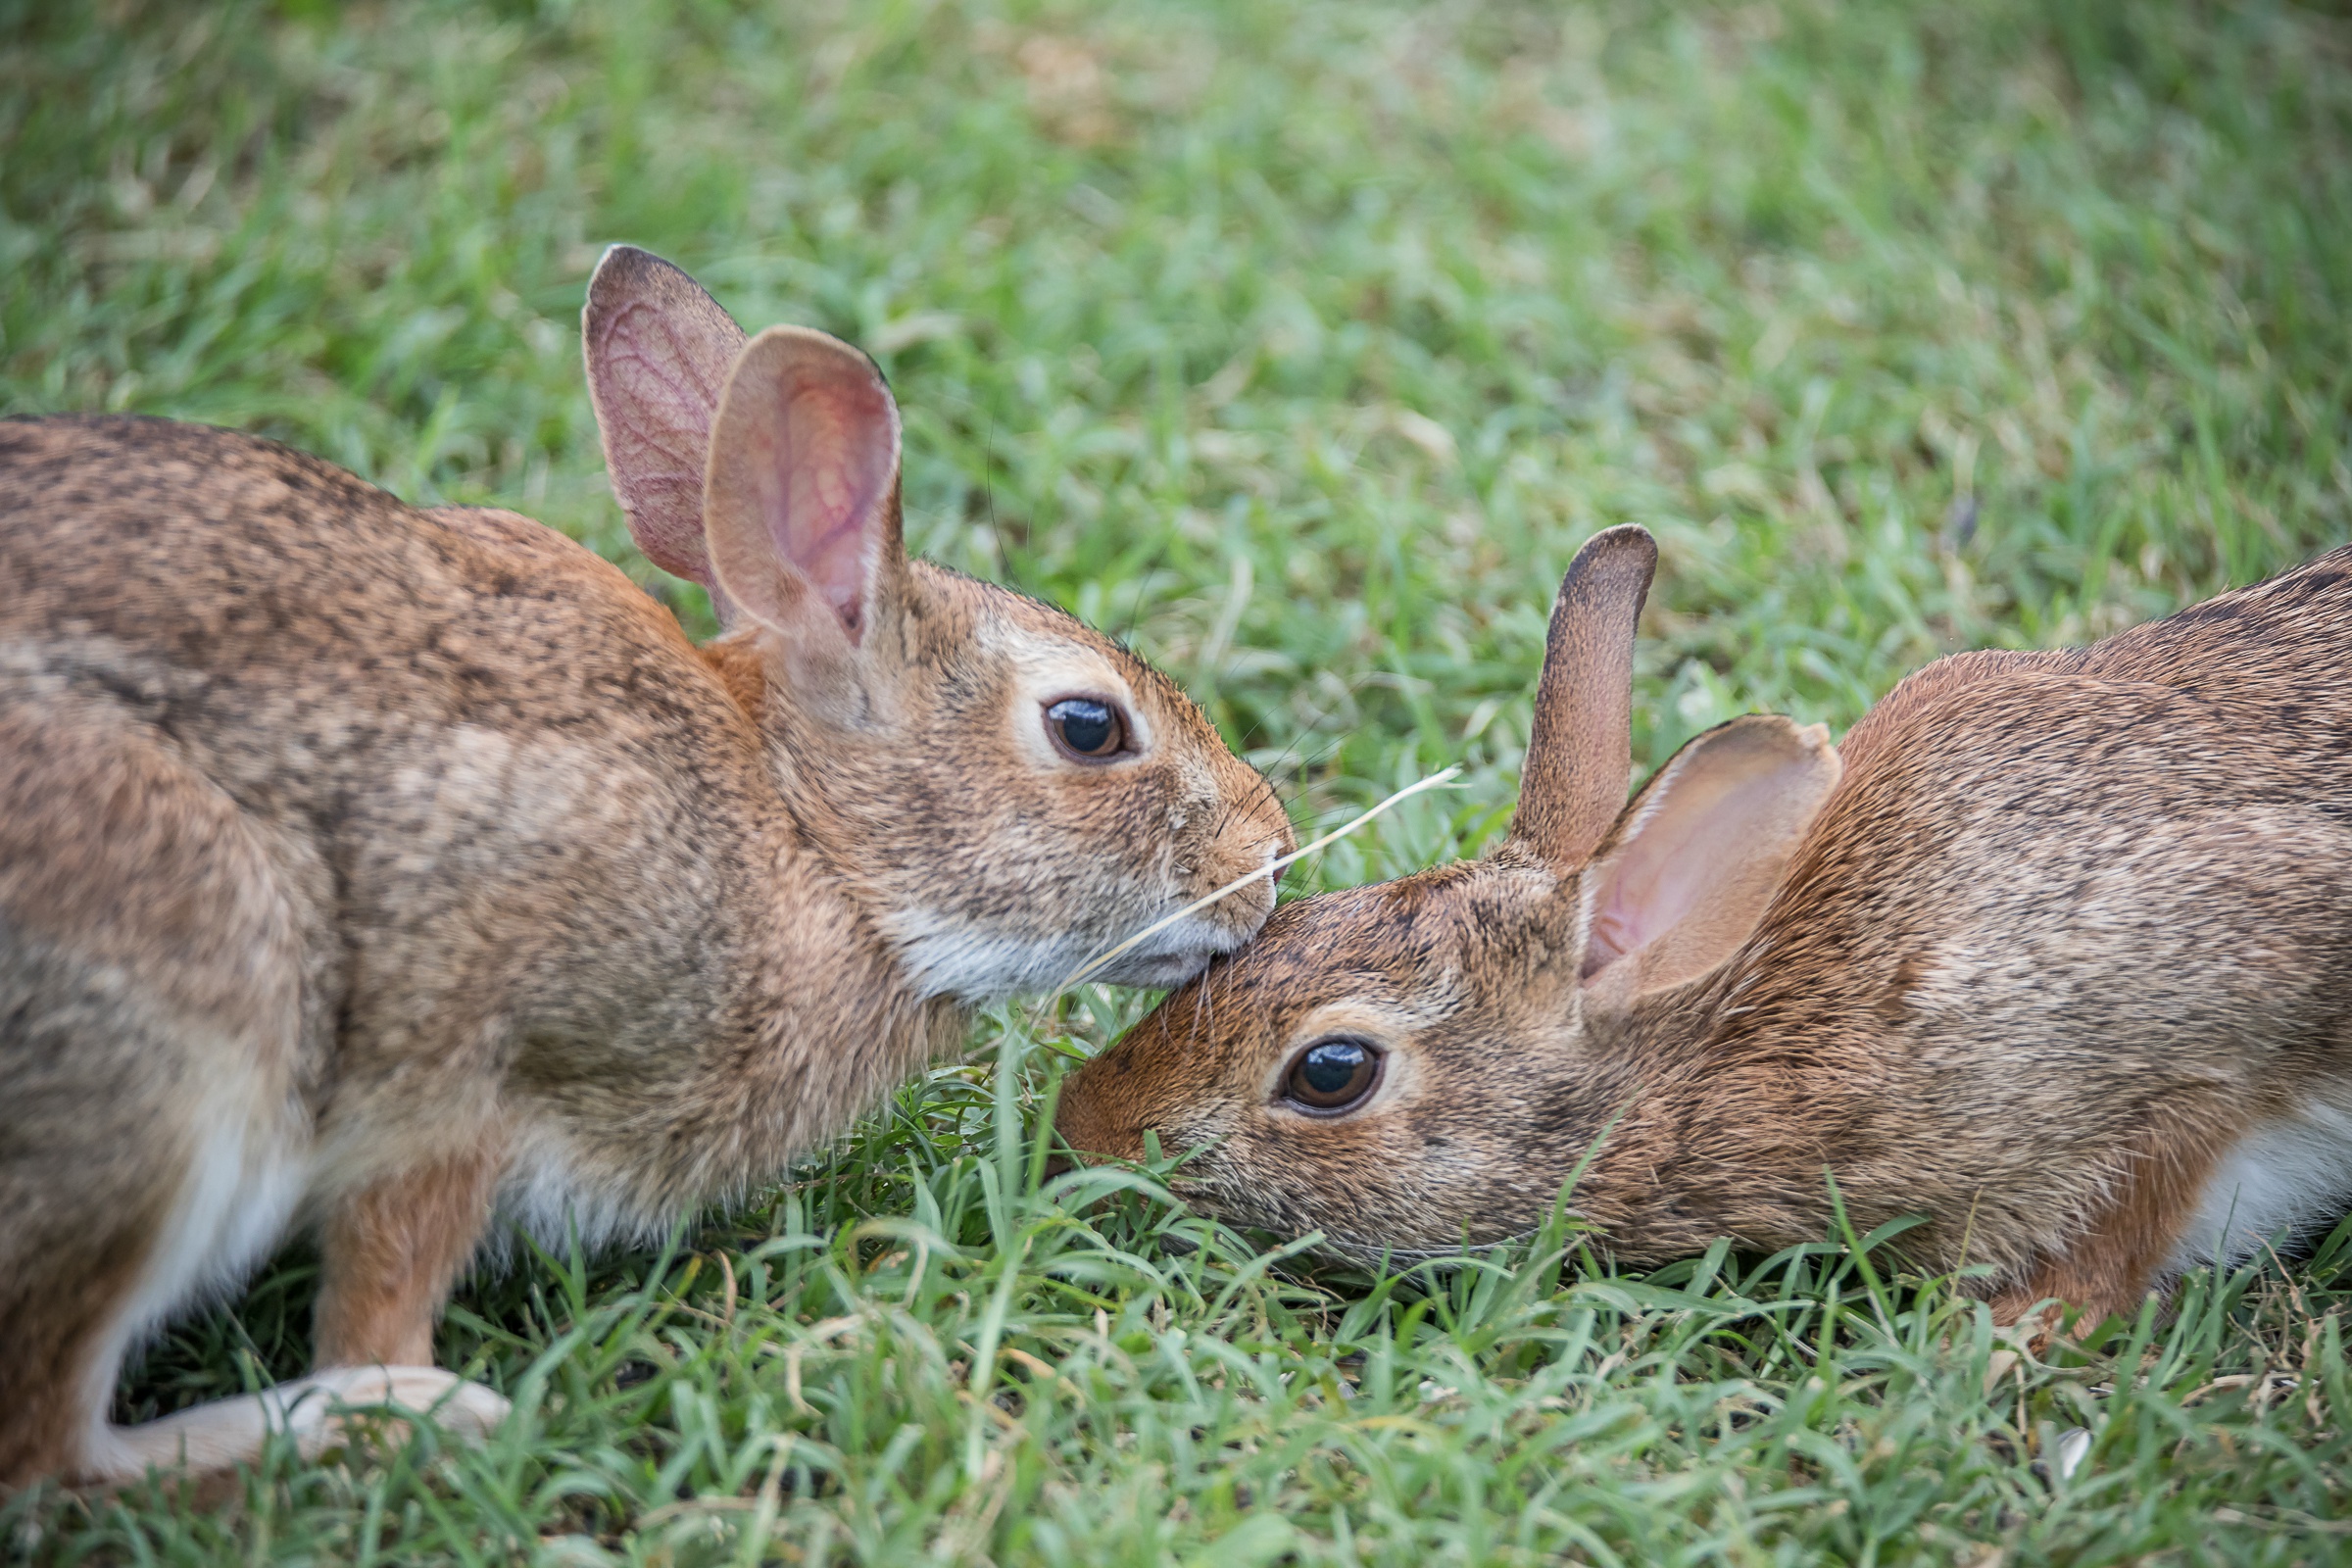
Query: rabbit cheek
(1140, 1084)
(1373, 1183)
(1097, 1118)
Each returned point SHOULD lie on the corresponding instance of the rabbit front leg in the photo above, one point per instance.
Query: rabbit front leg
(389, 1253)
(2106, 1269)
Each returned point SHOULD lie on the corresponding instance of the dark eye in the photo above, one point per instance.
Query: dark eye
(1332, 1076)
(1085, 728)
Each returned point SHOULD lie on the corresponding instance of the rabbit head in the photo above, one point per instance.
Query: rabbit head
(1008, 791)
(1419, 1064)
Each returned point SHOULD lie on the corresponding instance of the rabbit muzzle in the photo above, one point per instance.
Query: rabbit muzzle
(1174, 953)
(1172, 956)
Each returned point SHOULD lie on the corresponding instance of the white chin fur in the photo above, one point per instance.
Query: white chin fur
(945, 958)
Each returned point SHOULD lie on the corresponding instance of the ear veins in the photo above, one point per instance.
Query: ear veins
(680, 443)
(658, 350)
(839, 555)
(801, 495)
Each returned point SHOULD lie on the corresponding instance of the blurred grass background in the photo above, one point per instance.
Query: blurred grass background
(1302, 344)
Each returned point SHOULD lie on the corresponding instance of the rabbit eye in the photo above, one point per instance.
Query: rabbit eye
(1086, 729)
(1331, 1076)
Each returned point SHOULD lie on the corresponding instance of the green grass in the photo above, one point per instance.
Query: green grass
(1303, 343)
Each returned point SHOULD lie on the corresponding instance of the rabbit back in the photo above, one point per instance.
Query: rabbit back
(2068, 916)
(2269, 654)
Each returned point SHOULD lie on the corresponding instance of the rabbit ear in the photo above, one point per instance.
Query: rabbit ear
(1580, 754)
(659, 350)
(1703, 850)
(800, 502)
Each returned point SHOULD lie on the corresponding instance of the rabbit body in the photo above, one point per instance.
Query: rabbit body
(486, 830)
(2065, 963)
(2060, 957)
(378, 870)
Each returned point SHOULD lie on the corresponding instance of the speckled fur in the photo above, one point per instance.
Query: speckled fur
(2070, 925)
(384, 869)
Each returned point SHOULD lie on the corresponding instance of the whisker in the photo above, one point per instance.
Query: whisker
(1143, 579)
(1264, 784)
(1269, 870)
(988, 489)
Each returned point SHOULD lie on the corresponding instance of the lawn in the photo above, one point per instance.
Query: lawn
(1302, 344)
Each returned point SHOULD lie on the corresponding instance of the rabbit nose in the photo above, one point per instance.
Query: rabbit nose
(1258, 863)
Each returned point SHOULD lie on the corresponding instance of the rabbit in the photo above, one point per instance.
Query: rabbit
(396, 875)
(2056, 954)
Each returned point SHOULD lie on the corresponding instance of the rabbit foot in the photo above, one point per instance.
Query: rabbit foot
(320, 1412)
(2083, 1293)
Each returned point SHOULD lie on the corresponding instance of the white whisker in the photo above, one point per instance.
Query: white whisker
(1268, 870)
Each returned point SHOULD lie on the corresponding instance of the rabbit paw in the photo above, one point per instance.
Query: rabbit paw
(316, 1408)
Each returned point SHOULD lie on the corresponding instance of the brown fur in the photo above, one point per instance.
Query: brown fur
(391, 1250)
(378, 869)
(2110, 1264)
(2071, 927)
(1568, 792)
(59, 1314)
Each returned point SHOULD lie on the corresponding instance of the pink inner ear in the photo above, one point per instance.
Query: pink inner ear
(831, 478)
(1710, 838)
(1652, 884)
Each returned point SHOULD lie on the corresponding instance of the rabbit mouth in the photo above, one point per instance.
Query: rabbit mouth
(1161, 972)
(945, 957)
(1171, 957)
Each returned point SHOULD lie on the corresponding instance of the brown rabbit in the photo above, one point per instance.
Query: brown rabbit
(2063, 964)
(379, 871)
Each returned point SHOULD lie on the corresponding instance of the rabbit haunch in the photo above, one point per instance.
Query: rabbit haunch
(378, 870)
(2058, 955)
